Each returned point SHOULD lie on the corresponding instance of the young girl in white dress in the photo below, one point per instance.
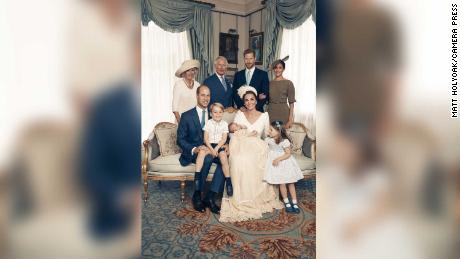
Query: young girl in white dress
(281, 167)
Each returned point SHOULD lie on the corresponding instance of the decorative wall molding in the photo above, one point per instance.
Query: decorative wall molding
(236, 7)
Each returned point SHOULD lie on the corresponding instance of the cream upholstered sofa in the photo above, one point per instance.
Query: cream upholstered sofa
(161, 155)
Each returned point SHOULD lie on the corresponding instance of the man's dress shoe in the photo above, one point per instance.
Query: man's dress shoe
(197, 203)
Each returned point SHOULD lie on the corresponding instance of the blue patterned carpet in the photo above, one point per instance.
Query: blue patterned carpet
(171, 229)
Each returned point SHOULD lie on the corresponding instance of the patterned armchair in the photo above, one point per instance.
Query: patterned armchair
(161, 155)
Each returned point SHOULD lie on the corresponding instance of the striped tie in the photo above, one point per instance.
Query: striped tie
(224, 83)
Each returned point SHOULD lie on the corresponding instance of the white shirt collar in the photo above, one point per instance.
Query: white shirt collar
(199, 110)
(252, 70)
(220, 76)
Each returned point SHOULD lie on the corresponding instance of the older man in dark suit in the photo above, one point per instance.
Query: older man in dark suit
(219, 85)
(254, 77)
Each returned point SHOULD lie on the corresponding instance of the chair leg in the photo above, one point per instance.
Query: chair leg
(182, 190)
(146, 190)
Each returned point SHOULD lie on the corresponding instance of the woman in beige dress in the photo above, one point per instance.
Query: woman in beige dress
(282, 96)
(184, 92)
(252, 196)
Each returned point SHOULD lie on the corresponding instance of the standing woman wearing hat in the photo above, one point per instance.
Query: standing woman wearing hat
(282, 96)
(184, 92)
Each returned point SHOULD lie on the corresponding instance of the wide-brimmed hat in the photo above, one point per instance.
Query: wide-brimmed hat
(186, 65)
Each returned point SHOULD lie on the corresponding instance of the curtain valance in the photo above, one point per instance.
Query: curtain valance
(178, 16)
(279, 14)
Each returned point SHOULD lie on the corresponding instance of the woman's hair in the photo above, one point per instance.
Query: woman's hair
(279, 61)
(279, 126)
(217, 105)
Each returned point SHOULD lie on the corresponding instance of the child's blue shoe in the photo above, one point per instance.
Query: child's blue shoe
(295, 208)
(289, 208)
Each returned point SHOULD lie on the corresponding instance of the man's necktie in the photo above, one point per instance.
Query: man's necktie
(203, 118)
(248, 77)
(224, 83)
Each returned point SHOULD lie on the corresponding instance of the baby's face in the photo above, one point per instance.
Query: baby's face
(234, 127)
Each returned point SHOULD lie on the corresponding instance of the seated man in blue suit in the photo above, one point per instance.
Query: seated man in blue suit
(254, 77)
(219, 85)
(190, 139)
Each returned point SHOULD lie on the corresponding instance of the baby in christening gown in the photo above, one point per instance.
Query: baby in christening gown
(236, 129)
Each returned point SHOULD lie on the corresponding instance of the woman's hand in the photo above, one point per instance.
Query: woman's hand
(288, 124)
(276, 162)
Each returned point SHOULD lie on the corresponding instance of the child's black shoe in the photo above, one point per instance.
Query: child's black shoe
(228, 184)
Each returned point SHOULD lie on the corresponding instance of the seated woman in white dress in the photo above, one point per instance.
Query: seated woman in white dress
(252, 196)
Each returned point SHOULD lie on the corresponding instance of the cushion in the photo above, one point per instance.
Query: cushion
(306, 148)
(166, 134)
(305, 163)
(229, 117)
(154, 147)
(297, 134)
(170, 164)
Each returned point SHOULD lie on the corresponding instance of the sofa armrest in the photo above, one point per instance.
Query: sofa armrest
(145, 159)
(151, 150)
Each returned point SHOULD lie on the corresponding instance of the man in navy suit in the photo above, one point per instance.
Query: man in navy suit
(110, 158)
(219, 85)
(190, 139)
(254, 77)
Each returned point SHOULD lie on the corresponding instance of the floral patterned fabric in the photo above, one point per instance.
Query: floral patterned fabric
(297, 135)
(166, 134)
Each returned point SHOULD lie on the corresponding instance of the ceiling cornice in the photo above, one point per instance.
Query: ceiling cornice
(237, 7)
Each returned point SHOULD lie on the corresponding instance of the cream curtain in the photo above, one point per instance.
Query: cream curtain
(300, 45)
(162, 53)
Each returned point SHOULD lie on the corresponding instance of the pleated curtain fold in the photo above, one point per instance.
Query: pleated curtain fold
(280, 14)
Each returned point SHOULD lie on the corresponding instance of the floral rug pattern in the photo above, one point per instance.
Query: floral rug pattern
(172, 229)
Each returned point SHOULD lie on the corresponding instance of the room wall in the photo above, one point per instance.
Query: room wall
(222, 23)
(254, 21)
(235, 15)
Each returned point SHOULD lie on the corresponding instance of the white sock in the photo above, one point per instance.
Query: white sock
(286, 201)
(294, 204)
